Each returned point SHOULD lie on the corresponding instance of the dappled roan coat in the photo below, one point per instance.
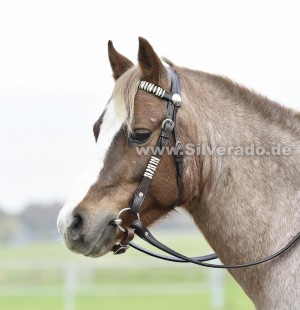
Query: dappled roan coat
(247, 207)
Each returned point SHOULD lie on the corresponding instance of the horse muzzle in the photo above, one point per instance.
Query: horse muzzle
(90, 236)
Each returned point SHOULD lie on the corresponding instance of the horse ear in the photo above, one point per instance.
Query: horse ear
(150, 64)
(118, 62)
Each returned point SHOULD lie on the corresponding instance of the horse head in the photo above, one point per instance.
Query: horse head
(131, 119)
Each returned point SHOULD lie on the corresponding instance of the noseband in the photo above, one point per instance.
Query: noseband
(168, 129)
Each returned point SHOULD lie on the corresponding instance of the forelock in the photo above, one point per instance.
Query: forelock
(124, 93)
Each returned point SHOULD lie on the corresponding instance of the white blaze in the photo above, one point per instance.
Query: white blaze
(110, 126)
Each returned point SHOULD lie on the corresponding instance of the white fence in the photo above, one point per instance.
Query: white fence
(77, 278)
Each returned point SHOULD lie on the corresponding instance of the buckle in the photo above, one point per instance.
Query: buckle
(167, 121)
(120, 248)
(179, 148)
(178, 145)
(123, 245)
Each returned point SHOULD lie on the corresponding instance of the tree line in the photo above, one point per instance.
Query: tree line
(35, 222)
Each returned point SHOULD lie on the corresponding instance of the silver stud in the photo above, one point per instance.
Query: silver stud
(141, 194)
(176, 99)
(146, 234)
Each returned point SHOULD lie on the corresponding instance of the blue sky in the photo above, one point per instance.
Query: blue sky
(55, 77)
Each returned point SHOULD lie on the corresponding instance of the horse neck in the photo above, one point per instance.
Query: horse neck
(240, 203)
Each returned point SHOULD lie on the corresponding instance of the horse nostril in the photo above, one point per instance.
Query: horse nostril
(76, 228)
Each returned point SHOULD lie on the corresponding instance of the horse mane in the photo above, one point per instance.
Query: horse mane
(271, 111)
(168, 61)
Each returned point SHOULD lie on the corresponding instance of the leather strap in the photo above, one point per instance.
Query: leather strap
(176, 89)
(124, 243)
(139, 195)
(168, 128)
(170, 258)
(146, 235)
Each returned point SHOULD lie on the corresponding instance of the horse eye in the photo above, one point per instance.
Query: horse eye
(140, 136)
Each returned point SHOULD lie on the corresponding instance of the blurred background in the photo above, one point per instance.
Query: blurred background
(54, 82)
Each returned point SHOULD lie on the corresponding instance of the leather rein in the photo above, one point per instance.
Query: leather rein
(168, 129)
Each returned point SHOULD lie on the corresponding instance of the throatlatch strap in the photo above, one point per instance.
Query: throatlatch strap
(176, 89)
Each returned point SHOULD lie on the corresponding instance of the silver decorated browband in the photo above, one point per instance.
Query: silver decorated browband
(160, 92)
(152, 88)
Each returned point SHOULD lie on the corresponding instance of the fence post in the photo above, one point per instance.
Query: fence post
(217, 288)
(70, 278)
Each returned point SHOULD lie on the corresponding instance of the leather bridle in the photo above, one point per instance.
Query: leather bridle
(168, 129)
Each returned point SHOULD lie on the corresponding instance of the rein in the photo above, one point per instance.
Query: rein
(168, 128)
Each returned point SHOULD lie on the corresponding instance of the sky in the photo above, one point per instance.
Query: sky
(55, 76)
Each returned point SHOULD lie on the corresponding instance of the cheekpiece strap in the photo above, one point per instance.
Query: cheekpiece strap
(167, 129)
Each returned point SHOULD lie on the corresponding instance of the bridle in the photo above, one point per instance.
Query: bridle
(168, 129)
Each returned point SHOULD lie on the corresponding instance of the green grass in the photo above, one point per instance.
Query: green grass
(146, 283)
(30, 303)
(124, 303)
(145, 303)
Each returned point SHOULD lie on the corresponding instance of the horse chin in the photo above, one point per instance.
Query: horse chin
(104, 243)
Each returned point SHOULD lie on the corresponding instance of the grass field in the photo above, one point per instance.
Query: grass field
(32, 277)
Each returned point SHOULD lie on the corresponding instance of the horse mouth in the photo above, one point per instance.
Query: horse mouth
(104, 243)
(95, 244)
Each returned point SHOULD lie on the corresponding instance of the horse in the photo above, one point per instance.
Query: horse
(241, 177)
